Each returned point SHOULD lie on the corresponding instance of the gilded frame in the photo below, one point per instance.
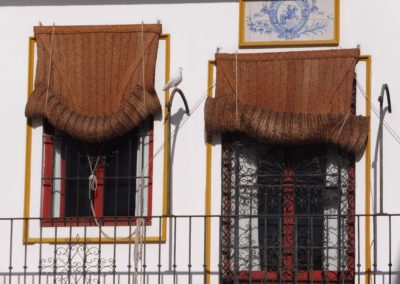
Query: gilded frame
(29, 240)
(309, 34)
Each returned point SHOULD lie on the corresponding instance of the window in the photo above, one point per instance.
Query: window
(120, 165)
(289, 213)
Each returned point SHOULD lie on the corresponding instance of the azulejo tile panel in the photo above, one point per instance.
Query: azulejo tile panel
(289, 22)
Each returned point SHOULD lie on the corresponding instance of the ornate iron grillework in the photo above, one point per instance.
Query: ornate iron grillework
(287, 213)
(77, 263)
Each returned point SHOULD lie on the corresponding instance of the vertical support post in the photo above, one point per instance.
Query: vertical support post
(385, 88)
(169, 168)
(381, 114)
(169, 107)
(28, 147)
(367, 194)
(208, 182)
(163, 230)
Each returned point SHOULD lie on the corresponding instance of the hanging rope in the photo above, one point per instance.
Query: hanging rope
(391, 131)
(138, 245)
(333, 92)
(236, 89)
(143, 66)
(93, 187)
(139, 240)
(137, 250)
(50, 63)
(342, 124)
(139, 231)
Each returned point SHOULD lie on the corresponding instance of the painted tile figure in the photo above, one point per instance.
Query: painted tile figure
(294, 20)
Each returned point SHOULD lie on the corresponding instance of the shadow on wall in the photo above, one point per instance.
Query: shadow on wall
(375, 165)
(396, 271)
(101, 2)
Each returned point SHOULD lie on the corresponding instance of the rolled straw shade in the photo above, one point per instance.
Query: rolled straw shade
(288, 98)
(91, 81)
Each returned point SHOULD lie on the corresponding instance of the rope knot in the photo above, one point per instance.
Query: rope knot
(93, 182)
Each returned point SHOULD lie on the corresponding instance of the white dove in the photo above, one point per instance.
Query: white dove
(175, 80)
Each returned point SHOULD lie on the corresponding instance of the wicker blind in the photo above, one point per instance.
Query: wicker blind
(288, 98)
(89, 79)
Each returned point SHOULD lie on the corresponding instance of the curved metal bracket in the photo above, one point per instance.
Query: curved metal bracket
(171, 99)
(385, 89)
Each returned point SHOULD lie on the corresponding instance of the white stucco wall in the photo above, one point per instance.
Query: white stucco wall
(196, 30)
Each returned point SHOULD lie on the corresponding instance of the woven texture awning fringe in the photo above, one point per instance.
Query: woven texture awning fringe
(89, 79)
(286, 128)
(288, 98)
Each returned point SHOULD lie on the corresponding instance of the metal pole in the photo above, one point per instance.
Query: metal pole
(169, 174)
(385, 88)
(169, 106)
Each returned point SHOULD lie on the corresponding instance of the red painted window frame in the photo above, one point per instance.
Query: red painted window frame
(316, 276)
(46, 203)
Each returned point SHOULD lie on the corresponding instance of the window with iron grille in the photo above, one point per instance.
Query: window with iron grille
(122, 167)
(288, 213)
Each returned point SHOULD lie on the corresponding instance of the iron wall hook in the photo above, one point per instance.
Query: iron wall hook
(385, 89)
(171, 99)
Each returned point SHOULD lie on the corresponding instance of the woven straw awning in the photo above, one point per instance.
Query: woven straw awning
(288, 98)
(95, 82)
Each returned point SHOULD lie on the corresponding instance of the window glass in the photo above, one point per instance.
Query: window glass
(121, 167)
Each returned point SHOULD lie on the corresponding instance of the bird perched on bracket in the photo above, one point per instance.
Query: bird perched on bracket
(175, 80)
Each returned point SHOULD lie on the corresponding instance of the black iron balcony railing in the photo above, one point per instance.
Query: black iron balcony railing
(202, 249)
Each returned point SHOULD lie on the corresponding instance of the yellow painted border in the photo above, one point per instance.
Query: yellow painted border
(368, 61)
(208, 181)
(243, 43)
(28, 146)
(365, 58)
(28, 154)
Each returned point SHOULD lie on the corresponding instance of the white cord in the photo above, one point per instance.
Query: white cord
(236, 89)
(143, 67)
(49, 72)
(391, 131)
(93, 187)
(93, 182)
(138, 232)
(342, 123)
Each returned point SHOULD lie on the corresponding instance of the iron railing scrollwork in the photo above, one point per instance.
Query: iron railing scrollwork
(76, 263)
(68, 255)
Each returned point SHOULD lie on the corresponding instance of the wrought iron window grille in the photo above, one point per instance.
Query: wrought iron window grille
(302, 202)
